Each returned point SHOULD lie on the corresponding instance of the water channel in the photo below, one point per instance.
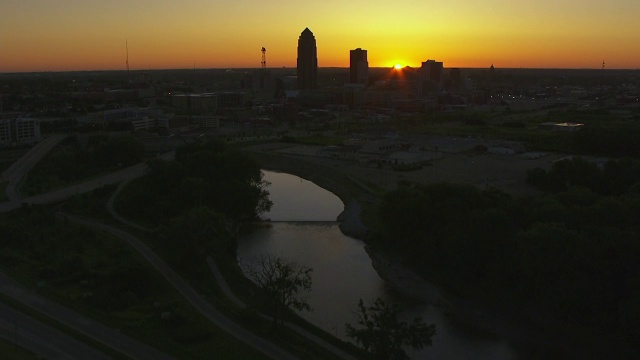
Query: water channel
(305, 231)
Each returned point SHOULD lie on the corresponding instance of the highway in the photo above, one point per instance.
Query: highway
(110, 337)
(42, 339)
(18, 169)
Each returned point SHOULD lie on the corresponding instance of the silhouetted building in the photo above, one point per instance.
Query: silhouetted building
(138, 118)
(261, 84)
(307, 61)
(455, 76)
(432, 71)
(431, 76)
(19, 131)
(358, 66)
(195, 104)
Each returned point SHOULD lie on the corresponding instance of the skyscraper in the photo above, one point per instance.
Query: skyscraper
(307, 61)
(432, 71)
(431, 76)
(358, 66)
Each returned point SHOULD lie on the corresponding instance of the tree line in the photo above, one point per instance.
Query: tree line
(209, 174)
(573, 251)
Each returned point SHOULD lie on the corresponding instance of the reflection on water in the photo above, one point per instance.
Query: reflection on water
(336, 261)
(297, 199)
(342, 270)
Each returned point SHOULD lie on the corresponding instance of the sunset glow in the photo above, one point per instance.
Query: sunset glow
(42, 35)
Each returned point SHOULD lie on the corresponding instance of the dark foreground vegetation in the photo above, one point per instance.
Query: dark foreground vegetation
(572, 253)
(196, 203)
(193, 207)
(105, 279)
(211, 174)
(80, 157)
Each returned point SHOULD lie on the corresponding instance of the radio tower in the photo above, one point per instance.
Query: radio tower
(264, 58)
(126, 45)
(602, 82)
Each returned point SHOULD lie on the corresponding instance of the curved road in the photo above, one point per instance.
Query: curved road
(18, 172)
(198, 302)
(20, 167)
(222, 283)
(15, 173)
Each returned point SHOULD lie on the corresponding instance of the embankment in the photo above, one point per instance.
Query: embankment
(329, 176)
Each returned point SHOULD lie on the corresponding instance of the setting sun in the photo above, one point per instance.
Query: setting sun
(397, 66)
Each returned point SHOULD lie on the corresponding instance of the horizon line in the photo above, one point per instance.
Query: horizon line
(319, 67)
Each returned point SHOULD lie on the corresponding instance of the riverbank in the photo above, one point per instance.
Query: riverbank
(330, 177)
(530, 330)
(353, 193)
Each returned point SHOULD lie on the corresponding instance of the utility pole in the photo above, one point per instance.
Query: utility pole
(264, 58)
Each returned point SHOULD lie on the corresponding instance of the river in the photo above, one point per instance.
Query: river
(305, 231)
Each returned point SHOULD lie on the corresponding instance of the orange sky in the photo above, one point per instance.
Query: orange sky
(47, 35)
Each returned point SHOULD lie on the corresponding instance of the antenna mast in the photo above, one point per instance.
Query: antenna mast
(126, 44)
(602, 82)
(264, 58)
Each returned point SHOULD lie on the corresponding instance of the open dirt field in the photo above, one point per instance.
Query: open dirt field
(452, 162)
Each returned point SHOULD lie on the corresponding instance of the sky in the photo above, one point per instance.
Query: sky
(63, 35)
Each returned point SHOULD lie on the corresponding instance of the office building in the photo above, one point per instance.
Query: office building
(358, 66)
(19, 131)
(432, 71)
(307, 61)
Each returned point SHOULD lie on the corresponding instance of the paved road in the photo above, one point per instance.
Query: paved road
(42, 339)
(222, 283)
(18, 169)
(115, 177)
(98, 332)
(198, 302)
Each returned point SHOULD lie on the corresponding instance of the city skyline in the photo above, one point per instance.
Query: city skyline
(38, 35)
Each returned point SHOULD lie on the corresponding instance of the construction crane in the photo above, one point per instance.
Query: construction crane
(264, 58)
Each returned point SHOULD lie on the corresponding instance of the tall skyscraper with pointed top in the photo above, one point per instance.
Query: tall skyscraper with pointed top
(307, 61)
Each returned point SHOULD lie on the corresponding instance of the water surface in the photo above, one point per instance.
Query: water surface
(305, 231)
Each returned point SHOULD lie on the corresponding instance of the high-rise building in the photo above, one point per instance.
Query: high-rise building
(358, 66)
(307, 61)
(431, 75)
(432, 71)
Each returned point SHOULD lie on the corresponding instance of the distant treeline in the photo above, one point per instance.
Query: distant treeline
(612, 142)
(573, 252)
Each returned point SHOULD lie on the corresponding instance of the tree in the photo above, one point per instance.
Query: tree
(384, 335)
(281, 282)
(201, 230)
